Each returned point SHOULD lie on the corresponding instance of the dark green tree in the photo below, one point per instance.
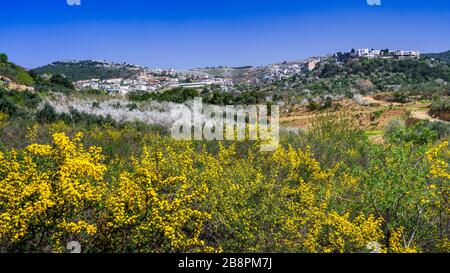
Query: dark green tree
(61, 80)
(3, 58)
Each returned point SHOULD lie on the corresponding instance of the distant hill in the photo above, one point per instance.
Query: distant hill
(365, 76)
(444, 56)
(89, 69)
(234, 73)
(331, 74)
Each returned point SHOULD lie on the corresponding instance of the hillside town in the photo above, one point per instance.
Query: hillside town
(155, 79)
(152, 80)
(277, 72)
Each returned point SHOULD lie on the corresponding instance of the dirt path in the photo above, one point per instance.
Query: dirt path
(371, 100)
(423, 115)
(373, 115)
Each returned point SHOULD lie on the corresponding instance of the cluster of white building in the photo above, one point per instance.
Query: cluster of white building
(120, 85)
(151, 80)
(285, 70)
(392, 54)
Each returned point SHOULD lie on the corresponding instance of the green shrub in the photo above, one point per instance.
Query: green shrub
(177, 95)
(313, 105)
(59, 79)
(47, 114)
(440, 105)
(400, 97)
(421, 133)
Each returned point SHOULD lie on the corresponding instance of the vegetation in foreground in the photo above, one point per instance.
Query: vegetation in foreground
(128, 188)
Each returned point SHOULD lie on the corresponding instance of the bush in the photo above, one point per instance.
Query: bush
(90, 91)
(313, 105)
(47, 114)
(177, 95)
(349, 95)
(400, 97)
(3, 58)
(8, 107)
(59, 79)
(173, 197)
(441, 128)
(328, 103)
(421, 133)
(129, 188)
(440, 105)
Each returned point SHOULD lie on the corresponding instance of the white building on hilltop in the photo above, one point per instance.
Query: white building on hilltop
(363, 52)
(376, 53)
(366, 53)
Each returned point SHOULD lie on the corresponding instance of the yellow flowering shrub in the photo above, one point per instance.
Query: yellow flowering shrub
(156, 210)
(48, 190)
(3, 118)
(143, 192)
(32, 132)
(438, 213)
(311, 225)
(438, 157)
(279, 202)
(397, 242)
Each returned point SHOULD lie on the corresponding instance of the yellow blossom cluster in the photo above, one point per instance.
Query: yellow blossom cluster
(3, 118)
(157, 211)
(185, 196)
(397, 242)
(59, 191)
(46, 187)
(438, 157)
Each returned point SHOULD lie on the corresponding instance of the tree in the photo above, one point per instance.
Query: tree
(47, 114)
(33, 74)
(328, 103)
(313, 105)
(61, 80)
(3, 58)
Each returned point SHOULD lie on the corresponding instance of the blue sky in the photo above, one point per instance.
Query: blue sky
(185, 34)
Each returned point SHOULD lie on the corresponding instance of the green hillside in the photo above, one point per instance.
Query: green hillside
(443, 56)
(85, 70)
(225, 72)
(14, 72)
(373, 75)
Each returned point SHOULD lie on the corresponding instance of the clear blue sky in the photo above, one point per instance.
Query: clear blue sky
(186, 34)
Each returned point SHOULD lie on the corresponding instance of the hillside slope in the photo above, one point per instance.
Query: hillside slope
(85, 70)
(372, 75)
(14, 73)
(443, 56)
(234, 73)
